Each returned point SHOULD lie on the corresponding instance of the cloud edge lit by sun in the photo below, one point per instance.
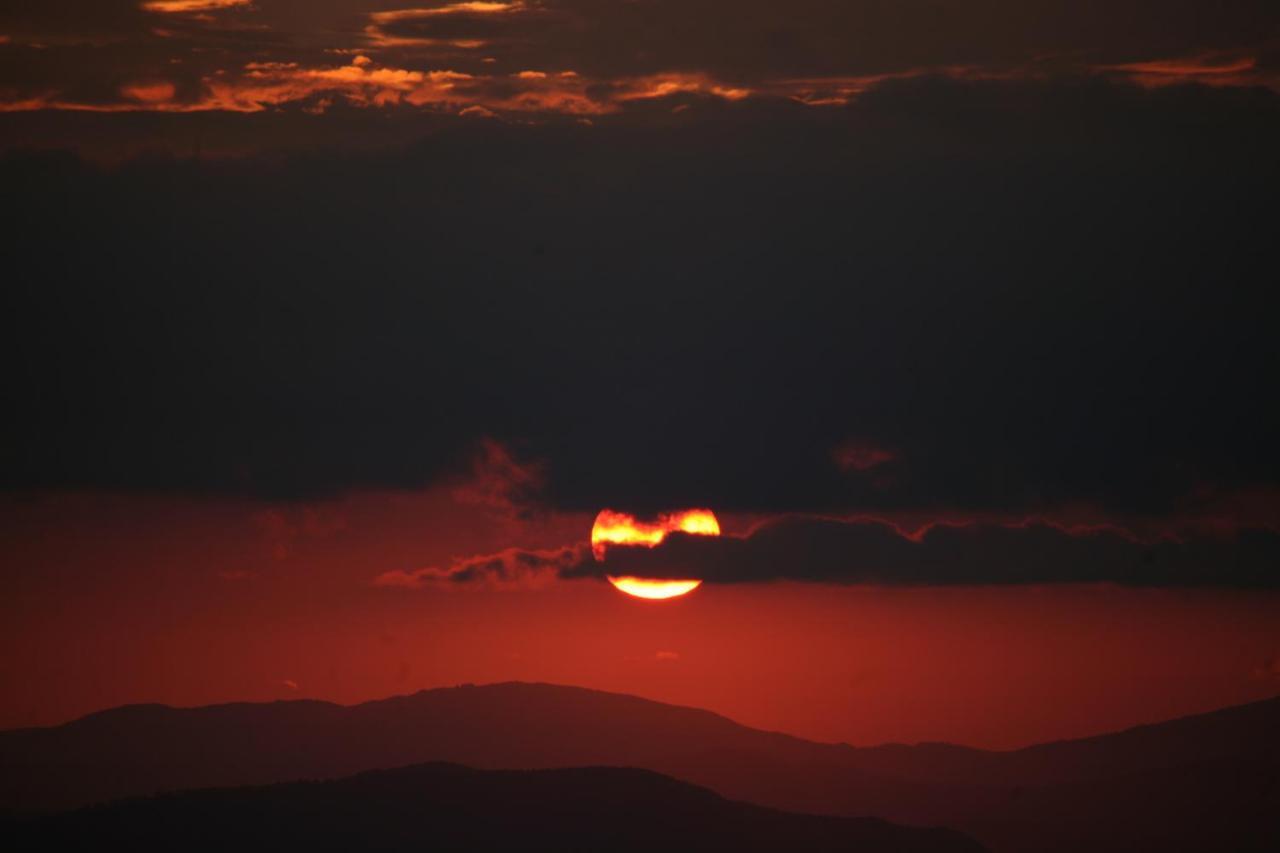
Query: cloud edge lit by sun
(613, 528)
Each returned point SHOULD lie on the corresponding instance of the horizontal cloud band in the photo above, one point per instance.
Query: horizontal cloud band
(811, 549)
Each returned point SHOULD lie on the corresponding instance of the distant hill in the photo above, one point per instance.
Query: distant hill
(453, 808)
(1115, 792)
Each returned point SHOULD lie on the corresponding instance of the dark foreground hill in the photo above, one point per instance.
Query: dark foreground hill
(448, 807)
(1201, 783)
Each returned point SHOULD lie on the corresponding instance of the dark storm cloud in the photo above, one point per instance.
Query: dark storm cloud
(1029, 294)
(869, 552)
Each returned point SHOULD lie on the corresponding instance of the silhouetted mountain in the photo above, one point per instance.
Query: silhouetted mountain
(1203, 777)
(449, 807)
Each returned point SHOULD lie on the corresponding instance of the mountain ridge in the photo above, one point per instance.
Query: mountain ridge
(448, 806)
(1008, 799)
(1269, 702)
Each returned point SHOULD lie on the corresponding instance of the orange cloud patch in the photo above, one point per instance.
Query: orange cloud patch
(184, 7)
(474, 8)
(150, 93)
(1206, 69)
(266, 84)
(665, 85)
(259, 86)
(377, 33)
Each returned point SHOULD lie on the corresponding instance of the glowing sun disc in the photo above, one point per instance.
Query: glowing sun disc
(654, 590)
(617, 528)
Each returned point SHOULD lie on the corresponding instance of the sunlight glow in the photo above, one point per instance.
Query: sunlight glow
(618, 528)
(654, 590)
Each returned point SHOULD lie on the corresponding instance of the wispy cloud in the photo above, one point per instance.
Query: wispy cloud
(186, 7)
(513, 568)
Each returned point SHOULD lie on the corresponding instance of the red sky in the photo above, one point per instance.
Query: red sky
(111, 600)
(950, 309)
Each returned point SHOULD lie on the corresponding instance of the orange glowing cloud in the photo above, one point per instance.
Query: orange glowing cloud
(378, 21)
(266, 84)
(183, 7)
(150, 93)
(262, 85)
(1205, 69)
(618, 528)
(473, 8)
(665, 85)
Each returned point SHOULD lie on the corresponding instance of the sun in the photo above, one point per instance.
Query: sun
(619, 528)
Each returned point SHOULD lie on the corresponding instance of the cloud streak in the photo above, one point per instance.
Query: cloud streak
(805, 548)
(861, 551)
(513, 568)
(188, 7)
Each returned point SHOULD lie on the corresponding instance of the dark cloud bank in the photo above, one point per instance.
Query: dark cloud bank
(815, 549)
(833, 551)
(1032, 293)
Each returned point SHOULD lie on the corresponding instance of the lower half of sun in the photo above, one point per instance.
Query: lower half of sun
(613, 529)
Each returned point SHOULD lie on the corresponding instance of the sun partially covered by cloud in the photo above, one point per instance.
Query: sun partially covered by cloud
(1027, 551)
(614, 528)
(871, 551)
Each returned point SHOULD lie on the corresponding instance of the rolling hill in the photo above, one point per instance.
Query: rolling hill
(449, 807)
(1211, 776)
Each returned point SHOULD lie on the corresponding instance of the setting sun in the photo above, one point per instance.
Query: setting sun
(652, 589)
(618, 528)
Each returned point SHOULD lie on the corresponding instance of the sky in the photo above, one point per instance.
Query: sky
(330, 327)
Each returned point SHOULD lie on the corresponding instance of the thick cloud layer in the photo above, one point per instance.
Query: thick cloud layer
(1009, 295)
